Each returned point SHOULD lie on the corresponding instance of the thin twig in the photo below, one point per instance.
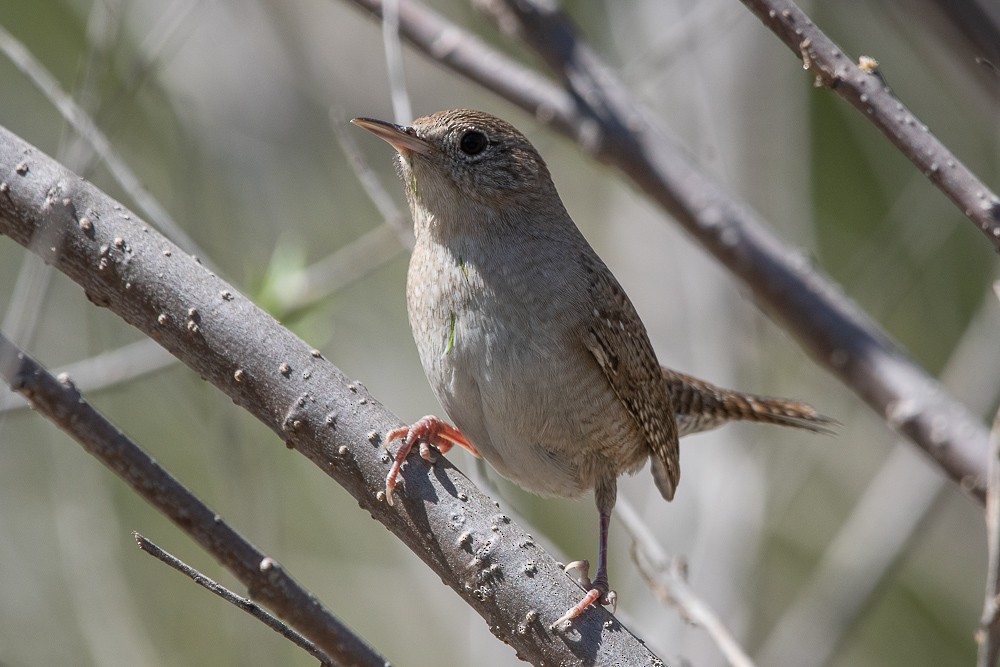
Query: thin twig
(238, 601)
(988, 635)
(59, 400)
(667, 578)
(356, 259)
(401, 109)
(32, 68)
(342, 267)
(863, 86)
(105, 370)
(386, 205)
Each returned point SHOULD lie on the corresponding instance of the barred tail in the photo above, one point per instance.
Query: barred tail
(701, 406)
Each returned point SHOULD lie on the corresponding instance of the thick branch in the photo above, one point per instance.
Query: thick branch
(599, 113)
(124, 265)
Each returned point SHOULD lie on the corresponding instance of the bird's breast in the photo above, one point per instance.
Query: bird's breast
(504, 356)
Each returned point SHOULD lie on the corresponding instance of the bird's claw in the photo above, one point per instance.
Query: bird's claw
(426, 431)
(597, 592)
(579, 571)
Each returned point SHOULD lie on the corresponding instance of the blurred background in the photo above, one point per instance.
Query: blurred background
(845, 550)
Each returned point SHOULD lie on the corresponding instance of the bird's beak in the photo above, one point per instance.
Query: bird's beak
(403, 139)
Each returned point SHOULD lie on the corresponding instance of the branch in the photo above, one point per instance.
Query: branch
(600, 115)
(61, 403)
(669, 583)
(105, 370)
(667, 578)
(124, 265)
(88, 130)
(883, 523)
(249, 606)
(863, 86)
(988, 635)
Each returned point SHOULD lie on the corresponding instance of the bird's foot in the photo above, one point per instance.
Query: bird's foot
(426, 431)
(598, 592)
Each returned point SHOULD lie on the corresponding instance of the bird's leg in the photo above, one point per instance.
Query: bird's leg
(599, 589)
(427, 431)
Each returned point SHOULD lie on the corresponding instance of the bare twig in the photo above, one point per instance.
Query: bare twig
(60, 402)
(126, 266)
(670, 585)
(598, 113)
(988, 635)
(386, 205)
(238, 601)
(162, 39)
(84, 125)
(356, 259)
(863, 86)
(342, 267)
(394, 61)
(105, 370)
(667, 578)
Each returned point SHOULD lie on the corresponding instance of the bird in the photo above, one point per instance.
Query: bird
(527, 339)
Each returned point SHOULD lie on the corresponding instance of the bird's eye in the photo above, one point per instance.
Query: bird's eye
(473, 142)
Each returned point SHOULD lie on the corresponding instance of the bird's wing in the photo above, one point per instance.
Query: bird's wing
(617, 338)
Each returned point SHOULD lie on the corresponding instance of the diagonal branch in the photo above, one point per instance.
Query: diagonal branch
(249, 606)
(85, 127)
(126, 266)
(864, 88)
(598, 113)
(61, 403)
(885, 521)
(107, 369)
(667, 579)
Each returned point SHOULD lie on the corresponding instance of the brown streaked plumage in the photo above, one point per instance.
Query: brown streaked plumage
(702, 406)
(532, 347)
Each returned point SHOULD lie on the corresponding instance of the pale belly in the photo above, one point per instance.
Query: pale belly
(536, 405)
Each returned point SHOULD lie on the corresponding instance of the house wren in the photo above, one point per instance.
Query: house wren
(530, 344)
